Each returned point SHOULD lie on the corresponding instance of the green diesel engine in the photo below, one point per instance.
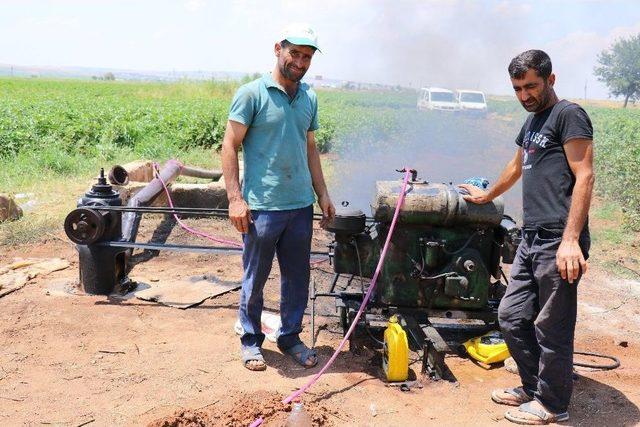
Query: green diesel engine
(445, 253)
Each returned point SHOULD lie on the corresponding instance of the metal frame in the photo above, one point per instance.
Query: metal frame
(422, 335)
(182, 248)
(91, 227)
(204, 212)
(211, 212)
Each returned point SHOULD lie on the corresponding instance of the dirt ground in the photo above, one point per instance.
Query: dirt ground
(74, 360)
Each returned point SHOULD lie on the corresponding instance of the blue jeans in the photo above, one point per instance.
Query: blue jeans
(287, 234)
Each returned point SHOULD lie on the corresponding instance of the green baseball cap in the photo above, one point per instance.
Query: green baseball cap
(301, 35)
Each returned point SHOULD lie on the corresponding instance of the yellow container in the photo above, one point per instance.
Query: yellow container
(489, 348)
(395, 360)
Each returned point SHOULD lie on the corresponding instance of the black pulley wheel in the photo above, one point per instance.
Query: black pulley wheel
(84, 226)
(110, 217)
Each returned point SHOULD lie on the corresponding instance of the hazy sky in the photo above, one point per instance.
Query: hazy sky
(441, 43)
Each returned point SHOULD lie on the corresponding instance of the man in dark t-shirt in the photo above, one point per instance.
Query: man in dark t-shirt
(538, 312)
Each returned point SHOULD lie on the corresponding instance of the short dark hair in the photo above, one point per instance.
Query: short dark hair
(531, 59)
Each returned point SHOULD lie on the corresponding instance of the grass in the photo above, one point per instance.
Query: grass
(615, 248)
(56, 181)
(608, 215)
(620, 270)
(50, 199)
(32, 229)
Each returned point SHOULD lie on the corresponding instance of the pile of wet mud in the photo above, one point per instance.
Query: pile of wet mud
(241, 409)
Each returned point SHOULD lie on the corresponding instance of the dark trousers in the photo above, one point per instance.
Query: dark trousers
(286, 234)
(538, 317)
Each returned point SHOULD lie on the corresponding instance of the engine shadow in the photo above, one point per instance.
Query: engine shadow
(597, 403)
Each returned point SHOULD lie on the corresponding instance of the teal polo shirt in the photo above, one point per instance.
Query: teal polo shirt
(276, 170)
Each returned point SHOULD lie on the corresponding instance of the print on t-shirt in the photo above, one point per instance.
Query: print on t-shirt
(547, 179)
(535, 138)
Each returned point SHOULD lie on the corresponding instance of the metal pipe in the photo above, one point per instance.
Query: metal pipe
(184, 248)
(215, 212)
(213, 175)
(144, 197)
(162, 209)
(171, 247)
(313, 314)
(171, 211)
(118, 175)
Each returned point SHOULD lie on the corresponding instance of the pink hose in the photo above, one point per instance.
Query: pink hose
(365, 300)
(200, 233)
(319, 261)
(186, 227)
(366, 297)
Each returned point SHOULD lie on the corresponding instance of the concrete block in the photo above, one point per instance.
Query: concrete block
(207, 195)
(212, 195)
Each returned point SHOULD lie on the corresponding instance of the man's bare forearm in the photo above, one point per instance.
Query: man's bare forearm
(231, 170)
(580, 203)
(508, 177)
(315, 168)
(239, 213)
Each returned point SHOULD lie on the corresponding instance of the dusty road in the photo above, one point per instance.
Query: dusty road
(74, 360)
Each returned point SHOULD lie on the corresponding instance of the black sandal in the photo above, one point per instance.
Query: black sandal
(301, 354)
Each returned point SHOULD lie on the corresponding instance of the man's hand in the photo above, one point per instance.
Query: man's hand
(570, 260)
(240, 215)
(328, 210)
(476, 195)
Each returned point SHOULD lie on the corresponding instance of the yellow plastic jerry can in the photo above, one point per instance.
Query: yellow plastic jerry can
(395, 360)
(488, 348)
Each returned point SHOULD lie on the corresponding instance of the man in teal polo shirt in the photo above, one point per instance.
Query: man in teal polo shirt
(274, 119)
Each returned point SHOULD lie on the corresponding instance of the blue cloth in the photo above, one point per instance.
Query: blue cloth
(287, 234)
(478, 181)
(276, 170)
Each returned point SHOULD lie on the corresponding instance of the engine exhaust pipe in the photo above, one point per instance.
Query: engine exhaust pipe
(213, 175)
(118, 175)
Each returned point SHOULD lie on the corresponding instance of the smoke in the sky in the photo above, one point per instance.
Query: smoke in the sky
(453, 43)
(468, 44)
(447, 46)
(443, 147)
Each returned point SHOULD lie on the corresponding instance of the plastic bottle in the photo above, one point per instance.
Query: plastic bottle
(298, 417)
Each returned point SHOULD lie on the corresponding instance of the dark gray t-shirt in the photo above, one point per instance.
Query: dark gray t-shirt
(547, 179)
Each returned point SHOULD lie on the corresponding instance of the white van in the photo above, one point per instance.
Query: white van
(471, 101)
(435, 98)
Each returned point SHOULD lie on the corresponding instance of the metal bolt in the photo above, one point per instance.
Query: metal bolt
(469, 265)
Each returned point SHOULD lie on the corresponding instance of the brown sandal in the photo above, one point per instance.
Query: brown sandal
(528, 415)
(511, 396)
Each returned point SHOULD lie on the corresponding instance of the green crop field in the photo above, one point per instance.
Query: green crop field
(617, 159)
(63, 130)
